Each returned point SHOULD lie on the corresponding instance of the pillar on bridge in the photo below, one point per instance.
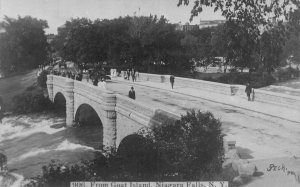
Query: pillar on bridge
(110, 129)
(66, 87)
(69, 94)
(50, 87)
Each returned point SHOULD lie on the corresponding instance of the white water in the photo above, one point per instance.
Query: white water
(30, 143)
(16, 127)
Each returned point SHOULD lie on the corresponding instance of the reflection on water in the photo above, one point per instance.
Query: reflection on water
(30, 143)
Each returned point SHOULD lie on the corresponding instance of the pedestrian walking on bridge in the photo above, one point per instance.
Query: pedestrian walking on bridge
(172, 79)
(248, 91)
(95, 83)
(128, 74)
(131, 93)
(133, 75)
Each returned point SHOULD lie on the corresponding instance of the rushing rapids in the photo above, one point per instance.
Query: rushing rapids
(32, 141)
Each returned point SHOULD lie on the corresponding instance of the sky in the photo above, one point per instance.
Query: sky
(57, 12)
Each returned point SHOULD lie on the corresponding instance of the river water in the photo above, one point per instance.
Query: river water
(30, 142)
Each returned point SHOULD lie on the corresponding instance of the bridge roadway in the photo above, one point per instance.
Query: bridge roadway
(258, 135)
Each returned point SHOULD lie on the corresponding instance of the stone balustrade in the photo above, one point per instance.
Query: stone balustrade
(260, 95)
(272, 97)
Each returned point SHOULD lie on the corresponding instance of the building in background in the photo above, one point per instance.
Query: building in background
(50, 38)
(210, 23)
(186, 27)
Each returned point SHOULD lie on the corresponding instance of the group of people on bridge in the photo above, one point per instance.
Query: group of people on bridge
(133, 73)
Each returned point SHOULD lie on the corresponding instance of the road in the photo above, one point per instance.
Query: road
(258, 136)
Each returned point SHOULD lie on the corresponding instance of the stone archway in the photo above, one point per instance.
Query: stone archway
(60, 103)
(138, 155)
(89, 126)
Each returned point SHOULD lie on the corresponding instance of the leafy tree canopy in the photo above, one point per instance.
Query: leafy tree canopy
(23, 44)
(247, 27)
(147, 42)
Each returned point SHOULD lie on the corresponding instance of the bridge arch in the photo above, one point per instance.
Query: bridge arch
(60, 103)
(138, 154)
(119, 116)
(90, 125)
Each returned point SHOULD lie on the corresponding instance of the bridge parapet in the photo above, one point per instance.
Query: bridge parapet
(264, 96)
(134, 109)
(133, 116)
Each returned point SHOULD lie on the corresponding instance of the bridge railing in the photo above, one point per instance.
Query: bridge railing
(141, 112)
(180, 81)
(260, 95)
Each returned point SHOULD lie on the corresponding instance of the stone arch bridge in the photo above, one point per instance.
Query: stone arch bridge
(119, 115)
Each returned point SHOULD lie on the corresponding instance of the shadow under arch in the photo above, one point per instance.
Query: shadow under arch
(138, 156)
(60, 104)
(89, 128)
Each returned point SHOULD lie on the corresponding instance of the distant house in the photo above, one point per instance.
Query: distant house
(186, 27)
(210, 23)
(203, 24)
(50, 38)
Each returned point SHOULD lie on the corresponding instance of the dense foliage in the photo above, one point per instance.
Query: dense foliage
(42, 79)
(189, 149)
(31, 100)
(255, 32)
(23, 44)
(149, 43)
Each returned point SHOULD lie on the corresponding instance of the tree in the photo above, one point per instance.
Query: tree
(291, 50)
(23, 45)
(271, 44)
(148, 43)
(250, 18)
(192, 147)
(292, 45)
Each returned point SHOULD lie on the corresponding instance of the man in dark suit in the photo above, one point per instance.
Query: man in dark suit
(131, 93)
(172, 78)
(248, 91)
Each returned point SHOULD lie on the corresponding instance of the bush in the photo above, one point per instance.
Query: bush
(42, 79)
(286, 74)
(192, 147)
(31, 101)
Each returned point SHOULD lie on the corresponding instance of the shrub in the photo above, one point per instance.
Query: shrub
(286, 74)
(42, 79)
(192, 147)
(31, 101)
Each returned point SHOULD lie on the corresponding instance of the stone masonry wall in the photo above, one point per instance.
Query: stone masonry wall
(260, 95)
